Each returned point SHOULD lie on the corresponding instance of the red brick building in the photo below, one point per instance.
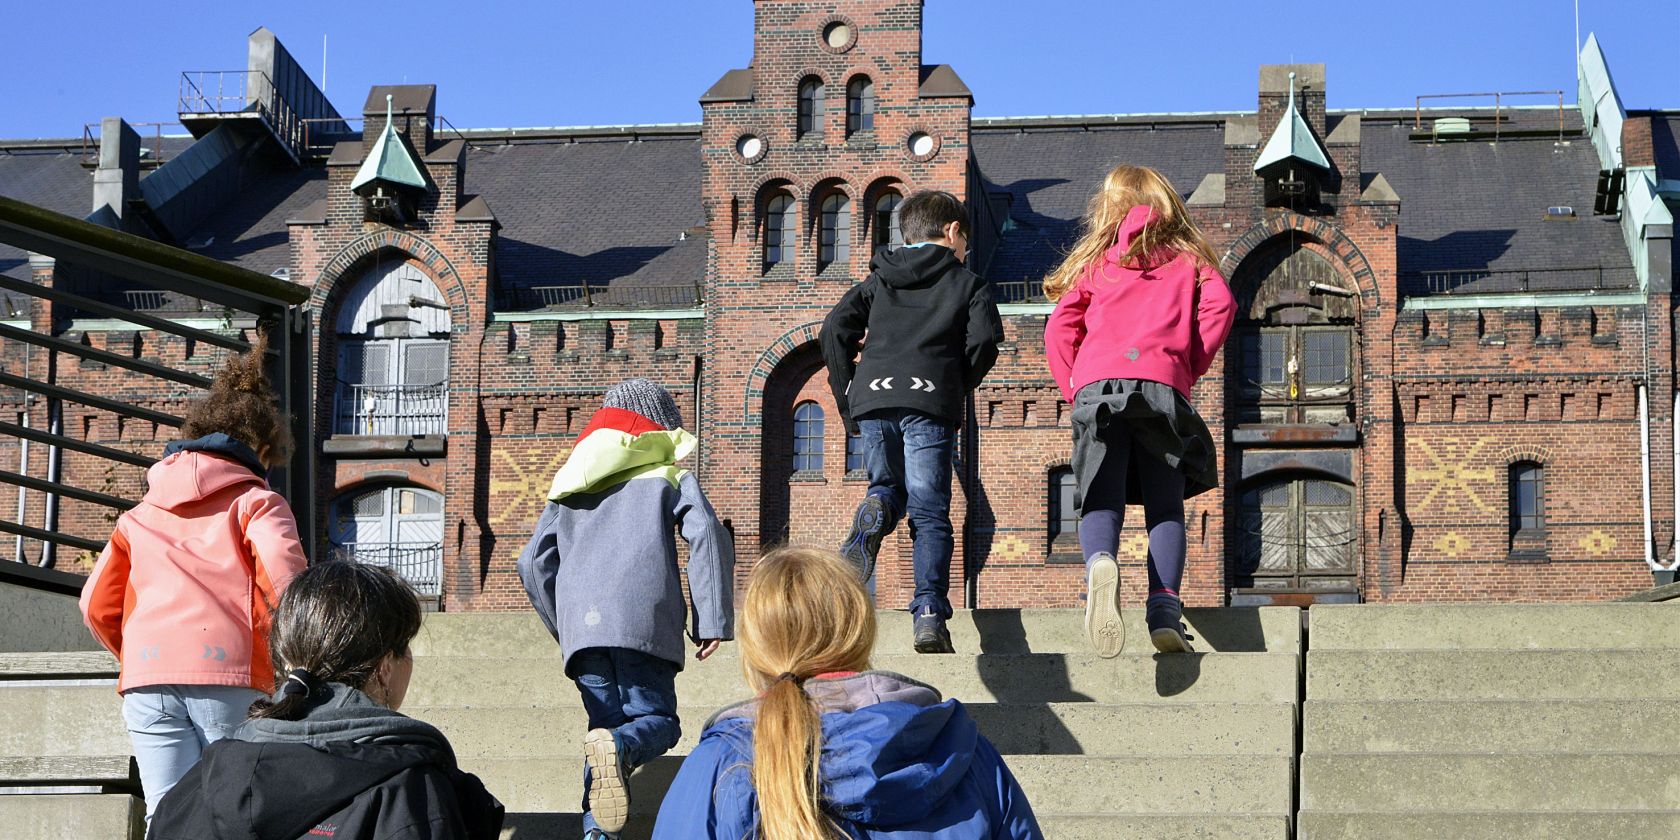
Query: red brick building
(1455, 327)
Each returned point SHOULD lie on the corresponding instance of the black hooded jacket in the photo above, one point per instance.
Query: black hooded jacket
(349, 770)
(933, 335)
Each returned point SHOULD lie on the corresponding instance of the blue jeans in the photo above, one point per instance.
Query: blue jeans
(634, 694)
(170, 725)
(909, 456)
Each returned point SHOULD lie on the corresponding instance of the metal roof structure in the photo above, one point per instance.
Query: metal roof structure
(390, 160)
(1292, 140)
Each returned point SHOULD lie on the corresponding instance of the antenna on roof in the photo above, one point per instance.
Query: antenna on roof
(323, 63)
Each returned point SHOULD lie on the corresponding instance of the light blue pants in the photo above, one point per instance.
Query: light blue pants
(171, 725)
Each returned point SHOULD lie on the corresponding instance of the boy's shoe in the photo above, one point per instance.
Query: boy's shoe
(598, 834)
(1103, 624)
(931, 634)
(862, 545)
(1166, 628)
(609, 781)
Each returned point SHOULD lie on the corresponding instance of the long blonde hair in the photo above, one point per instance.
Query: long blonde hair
(805, 614)
(1126, 187)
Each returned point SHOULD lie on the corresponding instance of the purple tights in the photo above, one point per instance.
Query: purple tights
(1163, 509)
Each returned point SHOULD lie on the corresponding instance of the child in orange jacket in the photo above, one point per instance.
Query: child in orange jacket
(183, 591)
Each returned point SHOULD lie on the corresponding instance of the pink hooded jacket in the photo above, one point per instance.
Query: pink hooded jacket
(1156, 323)
(184, 590)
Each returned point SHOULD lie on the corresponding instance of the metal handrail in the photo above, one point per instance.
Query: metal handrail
(1019, 291)
(364, 409)
(1452, 281)
(1498, 106)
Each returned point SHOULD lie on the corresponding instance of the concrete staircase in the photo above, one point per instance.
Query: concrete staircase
(1480, 722)
(1433, 721)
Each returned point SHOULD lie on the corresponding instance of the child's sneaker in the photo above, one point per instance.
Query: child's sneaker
(862, 545)
(1103, 625)
(609, 781)
(1166, 629)
(931, 634)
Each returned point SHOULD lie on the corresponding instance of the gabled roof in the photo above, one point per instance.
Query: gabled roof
(390, 159)
(940, 81)
(1292, 140)
(735, 86)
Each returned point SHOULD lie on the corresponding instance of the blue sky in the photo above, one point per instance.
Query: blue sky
(567, 62)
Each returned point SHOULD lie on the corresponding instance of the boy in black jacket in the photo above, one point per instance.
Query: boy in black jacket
(933, 335)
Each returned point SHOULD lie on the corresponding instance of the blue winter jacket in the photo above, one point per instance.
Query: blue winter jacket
(896, 763)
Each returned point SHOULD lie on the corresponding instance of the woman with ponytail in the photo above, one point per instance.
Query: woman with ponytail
(329, 755)
(830, 749)
(182, 593)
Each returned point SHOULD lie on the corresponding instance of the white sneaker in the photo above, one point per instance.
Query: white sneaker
(1103, 625)
(609, 784)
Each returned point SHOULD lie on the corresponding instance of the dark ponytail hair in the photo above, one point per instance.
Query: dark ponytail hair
(335, 622)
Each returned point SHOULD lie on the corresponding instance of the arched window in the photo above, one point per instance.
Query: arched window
(811, 108)
(886, 231)
(400, 528)
(836, 242)
(860, 105)
(1527, 507)
(808, 437)
(854, 454)
(778, 230)
(1064, 517)
(393, 355)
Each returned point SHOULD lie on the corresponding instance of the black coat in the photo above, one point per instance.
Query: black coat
(350, 770)
(933, 334)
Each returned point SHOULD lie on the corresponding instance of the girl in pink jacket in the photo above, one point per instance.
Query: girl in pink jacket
(183, 591)
(1140, 313)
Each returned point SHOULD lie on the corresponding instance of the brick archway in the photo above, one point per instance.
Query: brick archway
(1322, 232)
(753, 405)
(358, 251)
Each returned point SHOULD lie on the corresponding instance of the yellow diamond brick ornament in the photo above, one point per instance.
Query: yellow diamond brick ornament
(1597, 543)
(1452, 544)
(1135, 547)
(1010, 548)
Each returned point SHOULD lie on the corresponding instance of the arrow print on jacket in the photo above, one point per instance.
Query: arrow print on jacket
(919, 384)
(884, 384)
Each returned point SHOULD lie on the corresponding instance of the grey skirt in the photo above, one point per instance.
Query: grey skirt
(1161, 424)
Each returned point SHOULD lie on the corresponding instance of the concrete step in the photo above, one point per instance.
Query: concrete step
(1390, 825)
(95, 816)
(1048, 729)
(1491, 675)
(1006, 678)
(1061, 827)
(1623, 626)
(1236, 629)
(1496, 783)
(49, 720)
(1486, 726)
(1228, 785)
(57, 666)
(109, 773)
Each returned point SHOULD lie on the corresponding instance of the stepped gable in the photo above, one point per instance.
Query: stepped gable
(602, 209)
(1050, 170)
(1475, 205)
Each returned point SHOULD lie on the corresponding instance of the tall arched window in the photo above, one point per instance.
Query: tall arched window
(811, 107)
(854, 454)
(886, 233)
(1064, 516)
(808, 437)
(400, 528)
(860, 105)
(393, 355)
(836, 242)
(778, 230)
(1527, 508)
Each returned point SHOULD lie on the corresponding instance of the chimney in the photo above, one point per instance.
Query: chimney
(117, 180)
(413, 110)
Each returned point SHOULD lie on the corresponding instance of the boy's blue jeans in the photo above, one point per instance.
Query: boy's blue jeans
(634, 695)
(909, 456)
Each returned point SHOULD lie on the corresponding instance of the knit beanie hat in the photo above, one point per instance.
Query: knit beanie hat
(647, 398)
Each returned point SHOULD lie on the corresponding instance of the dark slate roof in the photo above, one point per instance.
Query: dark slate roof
(50, 178)
(1665, 142)
(601, 211)
(1050, 173)
(1470, 207)
(250, 232)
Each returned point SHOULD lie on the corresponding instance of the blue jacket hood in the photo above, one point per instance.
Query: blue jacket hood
(892, 751)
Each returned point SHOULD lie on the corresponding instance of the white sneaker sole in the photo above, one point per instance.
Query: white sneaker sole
(1103, 624)
(609, 792)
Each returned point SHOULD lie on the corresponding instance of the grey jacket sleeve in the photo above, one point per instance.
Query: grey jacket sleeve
(711, 563)
(538, 566)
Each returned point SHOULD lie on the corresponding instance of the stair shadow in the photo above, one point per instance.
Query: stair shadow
(1176, 673)
(1022, 728)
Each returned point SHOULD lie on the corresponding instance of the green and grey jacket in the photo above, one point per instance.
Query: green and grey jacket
(601, 568)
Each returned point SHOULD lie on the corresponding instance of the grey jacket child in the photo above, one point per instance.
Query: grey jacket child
(601, 569)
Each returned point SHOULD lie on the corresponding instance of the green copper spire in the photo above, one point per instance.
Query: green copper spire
(1292, 139)
(390, 160)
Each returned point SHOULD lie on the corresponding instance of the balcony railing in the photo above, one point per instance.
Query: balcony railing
(1019, 291)
(421, 564)
(1484, 281)
(616, 295)
(223, 92)
(391, 409)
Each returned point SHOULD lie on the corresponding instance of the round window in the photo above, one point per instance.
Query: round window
(923, 144)
(750, 148)
(837, 35)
